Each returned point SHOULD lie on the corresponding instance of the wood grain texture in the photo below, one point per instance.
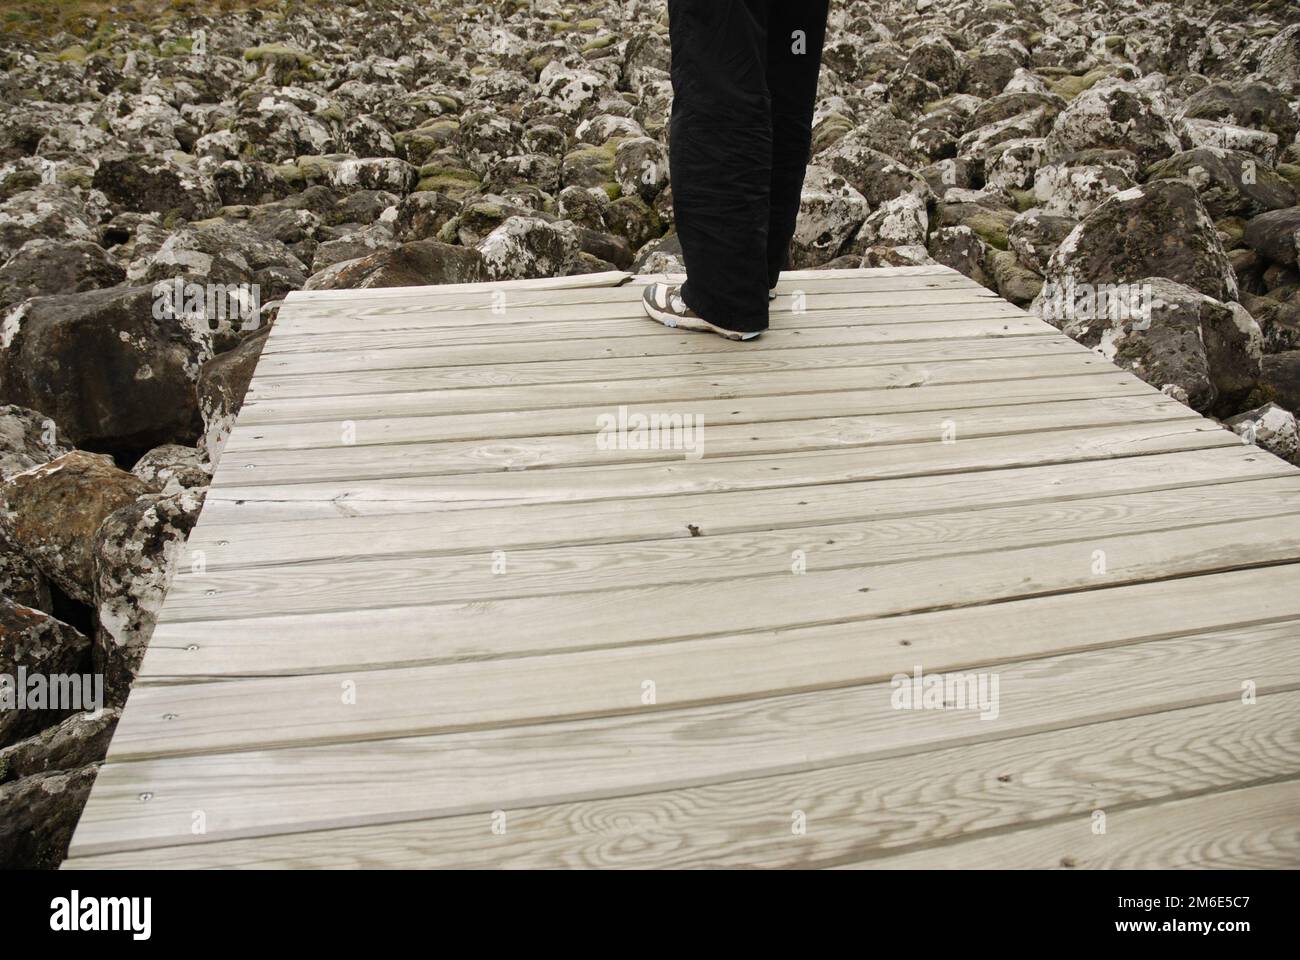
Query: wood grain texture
(420, 593)
(850, 811)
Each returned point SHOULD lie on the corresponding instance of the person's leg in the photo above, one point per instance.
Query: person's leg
(720, 157)
(796, 33)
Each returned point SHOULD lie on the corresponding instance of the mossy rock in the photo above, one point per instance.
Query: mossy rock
(1071, 85)
(278, 53)
(1114, 42)
(1024, 199)
(1233, 229)
(600, 43)
(1289, 172)
(73, 54)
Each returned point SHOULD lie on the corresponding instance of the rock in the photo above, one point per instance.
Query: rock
(79, 740)
(1280, 378)
(1114, 114)
(1230, 183)
(1271, 427)
(641, 167)
(136, 550)
(529, 247)
(249, 182)
(374, 173)
(43, 648)
(139, 392)
(1168, 334)
(901, 221)
(1278, 321)
(51, 512)
(1012, 280)
(38, 814)
(1225, 136)
(418, 263)
(49, 212)
(171, 468)
(1275, 235)
(220, 392)
(20, 579)
(1075, 185)
(830, 211)
(421, 215)
(1035, 235)
(150, 183)
(960, 248)
(1160, 229)
(1279, 61)
(933, 59)
(1244, 104)
(875, 175)
(44, 266)
(27, 438)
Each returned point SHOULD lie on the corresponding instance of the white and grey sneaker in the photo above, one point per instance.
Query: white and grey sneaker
(663, 302)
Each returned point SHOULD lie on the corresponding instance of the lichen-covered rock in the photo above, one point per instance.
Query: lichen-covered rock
(220, 392)
(1114, 114)
(52, 511)
(152, 183)
(1230, 183)
(136, 550)
(1168, 334)
(418, 263)
(830, 211)
(1275, 235)
(27, 438)
(960, 248)
(42, 647)
(1034, 236)
(1261, 144)
(138, 393)
(171, 468)
(641, 167)
(1076, 184)
(45, 266)
(1245, 103)
(529, 247)
(901, 221)
(374, 173)
(38, 814)
(421, 215)
(1279, 378)
(875, 175)
(1160, 229)
(79, 740)
(1012, 279)
(1271, 427)
(47, 211)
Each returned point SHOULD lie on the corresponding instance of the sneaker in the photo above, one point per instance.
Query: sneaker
(771, 294)
(663, 302)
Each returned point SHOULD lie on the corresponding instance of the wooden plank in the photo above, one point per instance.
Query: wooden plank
(640, 614)
(536, 325)
(352, 462)
(490, 374)
(616, 481)
(491, 306)
(1253, 828)
(664, 389)
(658, 341)
(272, 711)
(581, 281)
(879, 414)
(348, 584)
(152, 803)
(850, 810)
(306, 537)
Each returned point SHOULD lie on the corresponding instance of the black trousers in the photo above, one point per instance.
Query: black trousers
(744, 86)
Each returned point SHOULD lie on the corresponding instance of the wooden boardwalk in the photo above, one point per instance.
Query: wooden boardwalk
(429, 618)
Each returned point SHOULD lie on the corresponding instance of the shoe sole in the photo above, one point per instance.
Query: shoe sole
(694, 324)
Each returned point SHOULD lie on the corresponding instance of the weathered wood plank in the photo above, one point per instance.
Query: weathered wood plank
(655, 613)
(850, 810)
(1253, 828)
(301, 536)
(258, 793)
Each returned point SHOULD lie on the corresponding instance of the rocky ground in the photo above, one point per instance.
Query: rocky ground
(1072, 157)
